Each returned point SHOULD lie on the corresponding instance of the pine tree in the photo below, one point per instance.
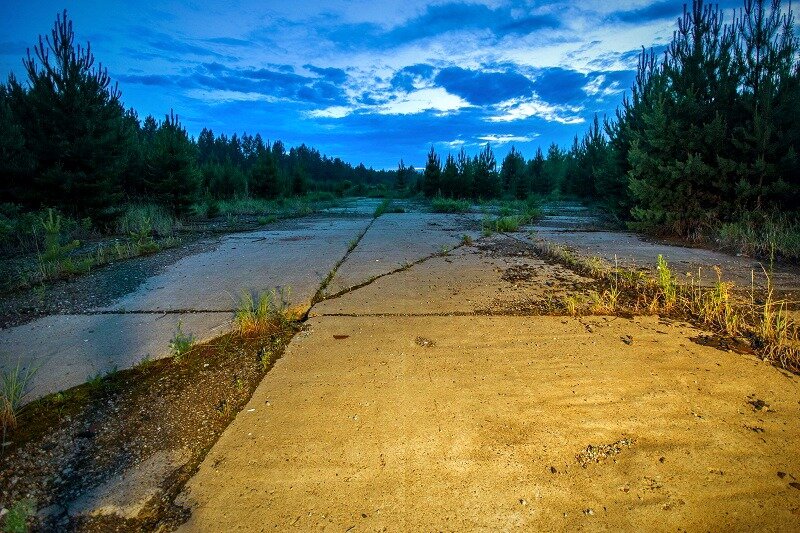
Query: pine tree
(73, 124)
(431, 184)
(485, 174)
(676, 179)
(173, 178)
(450, 182)
(512, 175)
(264, 182)
(401, 178)
(15, 163)
(466, 176)
(535, 171)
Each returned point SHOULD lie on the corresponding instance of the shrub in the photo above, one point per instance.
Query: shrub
(449, 205)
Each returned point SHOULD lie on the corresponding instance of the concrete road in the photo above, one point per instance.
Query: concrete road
(402, 408)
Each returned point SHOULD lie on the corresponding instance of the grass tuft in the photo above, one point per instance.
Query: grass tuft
(440, 204)
(181, 344)
(14, 386)
(263, 312)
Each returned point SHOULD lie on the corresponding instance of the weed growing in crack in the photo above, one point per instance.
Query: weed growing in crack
(14, 386)
(181, 344)
(466, 240)
(264, 312)
(572, 303)
(382, 207)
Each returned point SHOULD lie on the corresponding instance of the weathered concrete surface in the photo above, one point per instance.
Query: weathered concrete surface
(296, 255)
(359, 427)
(396, 239)
(572, 225)
(69, 349)
(467, 280)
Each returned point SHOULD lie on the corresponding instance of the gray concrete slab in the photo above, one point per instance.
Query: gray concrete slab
(396, 239)
(469, 279)
(68, 350)
(297, 256)
(631, 250)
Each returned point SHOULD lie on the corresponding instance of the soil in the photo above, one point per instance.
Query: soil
(73, 442)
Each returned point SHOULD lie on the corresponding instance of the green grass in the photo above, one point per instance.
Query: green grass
(761, 235)
(263, 312)
(181, 343)
(16, 520)
(147, 218)
(14, 386)
(382, 207)
(449, 205)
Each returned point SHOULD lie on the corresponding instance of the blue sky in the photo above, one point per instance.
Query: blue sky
(367, 81)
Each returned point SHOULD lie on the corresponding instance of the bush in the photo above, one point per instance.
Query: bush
(138, 217)
(449, 205)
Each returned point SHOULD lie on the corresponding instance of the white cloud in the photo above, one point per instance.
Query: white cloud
(506, 138)
(522, 108)
(222, 95)
(431, 99)
(595, 87)
(336, 111)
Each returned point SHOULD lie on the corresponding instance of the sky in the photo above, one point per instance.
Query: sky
(368, 81)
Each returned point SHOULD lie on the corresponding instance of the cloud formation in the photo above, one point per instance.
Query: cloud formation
(367, 81)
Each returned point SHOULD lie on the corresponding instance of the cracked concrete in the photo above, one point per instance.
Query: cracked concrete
(398, 408)
(397, 239)
(199, 290)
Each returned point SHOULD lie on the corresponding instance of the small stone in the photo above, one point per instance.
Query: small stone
(627, 339)
(523, 501)
(588, 512)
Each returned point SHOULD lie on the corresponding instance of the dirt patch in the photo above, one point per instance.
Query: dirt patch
(155, 421)
(726, 344)
(508, 247)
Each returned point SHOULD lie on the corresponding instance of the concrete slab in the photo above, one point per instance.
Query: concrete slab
(363, 426)
(201, 290)
(68, 350)
(396, 239)
(467, 280)
(297, 256)
(631, 250)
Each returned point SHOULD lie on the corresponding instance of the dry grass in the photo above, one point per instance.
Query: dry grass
(717, 307)
(264, 312)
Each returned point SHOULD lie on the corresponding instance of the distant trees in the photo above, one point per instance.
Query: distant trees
(66, 141)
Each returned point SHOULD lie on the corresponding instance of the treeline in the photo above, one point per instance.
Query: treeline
(710, 132)
(708, 136)
(559, 172)
(66, 141)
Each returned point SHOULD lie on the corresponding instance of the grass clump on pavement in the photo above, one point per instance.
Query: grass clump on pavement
(441, 204)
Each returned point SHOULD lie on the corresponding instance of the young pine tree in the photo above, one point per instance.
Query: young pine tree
(172, 174)
(431, 178)
(73, 124)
